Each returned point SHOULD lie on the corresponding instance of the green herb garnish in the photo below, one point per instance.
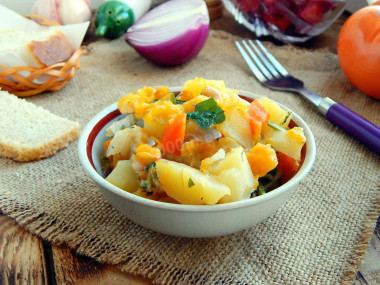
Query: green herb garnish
(275, 126)
(286, 118)
(261, 189)
(268, 178)
(150, 165)
(174, 99)
(190, 183)
(151, 183)
(206, 114)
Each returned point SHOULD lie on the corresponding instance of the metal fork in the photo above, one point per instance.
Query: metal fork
(269, 71)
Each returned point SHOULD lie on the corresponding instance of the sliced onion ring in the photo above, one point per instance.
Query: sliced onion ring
(171, 33)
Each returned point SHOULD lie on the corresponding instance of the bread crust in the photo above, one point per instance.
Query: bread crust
(29, 132)
(24, 154)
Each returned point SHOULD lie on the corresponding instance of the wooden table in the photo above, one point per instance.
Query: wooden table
(26, 259)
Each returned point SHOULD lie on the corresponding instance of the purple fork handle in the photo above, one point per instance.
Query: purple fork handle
(355, 125)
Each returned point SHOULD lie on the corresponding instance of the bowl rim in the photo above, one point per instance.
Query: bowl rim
(91, 130)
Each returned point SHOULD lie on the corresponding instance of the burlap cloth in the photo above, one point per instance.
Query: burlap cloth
(318, 237)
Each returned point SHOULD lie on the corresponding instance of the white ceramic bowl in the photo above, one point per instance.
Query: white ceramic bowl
(185, 220)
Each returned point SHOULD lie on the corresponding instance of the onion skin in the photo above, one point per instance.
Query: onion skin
(175, 51)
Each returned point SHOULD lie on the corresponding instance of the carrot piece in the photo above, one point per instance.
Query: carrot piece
(262, 159)
(288, 166)
(161, 92)
(146, 154)
(106, 144)
(186, 95)
(258, 117)
(173, 135)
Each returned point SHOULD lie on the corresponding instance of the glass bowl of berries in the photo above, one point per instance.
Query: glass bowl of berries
(290, 21)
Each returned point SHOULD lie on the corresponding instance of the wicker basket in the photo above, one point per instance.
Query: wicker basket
(58, 75)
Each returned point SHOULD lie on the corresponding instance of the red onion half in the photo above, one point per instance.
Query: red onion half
(171, 33)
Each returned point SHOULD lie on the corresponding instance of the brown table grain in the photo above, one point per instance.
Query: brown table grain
(26, 259)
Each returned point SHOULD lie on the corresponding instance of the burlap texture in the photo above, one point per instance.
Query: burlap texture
(318, 237)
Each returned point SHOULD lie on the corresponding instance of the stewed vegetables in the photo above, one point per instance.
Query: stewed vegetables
(202, 145)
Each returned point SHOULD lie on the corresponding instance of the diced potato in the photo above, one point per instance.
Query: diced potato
(201, 188)
(276, 113)
(169, 175)
(158, 117)
(209, 164)
(155, 125)
(233, 93)
(126, 140)
(240, 190)
(147, 93)
(217, 84)
(289, 142)
(137, 102)
(193, 152)
(237, 126)
(194, 87)
(123, 176)
(188, 185)
(234, 171)
(227, 143)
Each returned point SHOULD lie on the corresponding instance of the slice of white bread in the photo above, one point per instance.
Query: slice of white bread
(39, 48)
(29, 132)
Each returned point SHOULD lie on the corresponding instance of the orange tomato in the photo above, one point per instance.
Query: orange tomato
(359, 49)
(288, 166)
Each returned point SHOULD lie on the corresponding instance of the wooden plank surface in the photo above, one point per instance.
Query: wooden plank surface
(25, 259)
(22, 259)
(70, 268)
(369, 272)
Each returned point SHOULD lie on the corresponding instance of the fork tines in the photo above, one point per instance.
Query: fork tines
(263, 64)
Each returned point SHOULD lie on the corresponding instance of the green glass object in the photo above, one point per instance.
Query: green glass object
(112, 19)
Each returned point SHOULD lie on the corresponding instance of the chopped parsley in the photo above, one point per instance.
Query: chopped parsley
(275, 126)
(190, 183)
(265, 183)
(261, 189)
(286, 117)
(151, 184)
(206, 114)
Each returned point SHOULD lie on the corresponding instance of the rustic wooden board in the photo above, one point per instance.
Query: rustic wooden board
(26, 259)
(370, 267)
(71, 268)
(22, 259)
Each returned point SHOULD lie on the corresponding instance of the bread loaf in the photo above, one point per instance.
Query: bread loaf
(38, 48)
(29, 132)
